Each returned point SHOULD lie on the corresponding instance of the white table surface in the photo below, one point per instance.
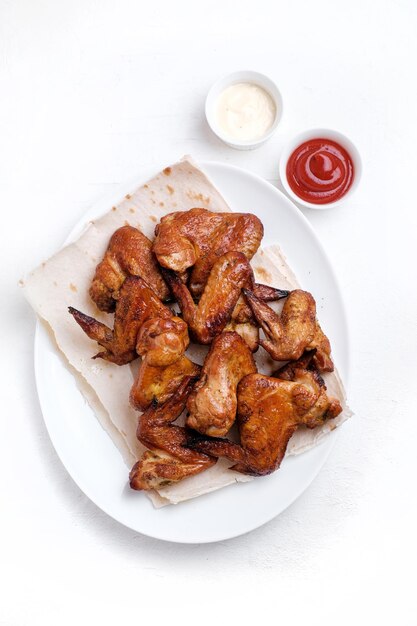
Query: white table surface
(90, 94)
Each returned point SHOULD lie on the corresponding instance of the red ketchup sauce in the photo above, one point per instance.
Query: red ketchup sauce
(320, 171)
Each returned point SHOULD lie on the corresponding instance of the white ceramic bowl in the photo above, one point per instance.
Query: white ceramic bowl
(232, 79)
(320, 133)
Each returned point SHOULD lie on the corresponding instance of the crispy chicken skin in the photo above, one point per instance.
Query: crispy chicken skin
(212, 404)
(269, 411)
(292, 332)
(228, 275)
(129, 253)
(161, 344)
(221, 304)
(244, 325)
(156, 383)
(162, 341)
(198, 237)
(266, 293)
(137, 304)
(143, 326)
(242, 319)
(167, 461)
(305, 371)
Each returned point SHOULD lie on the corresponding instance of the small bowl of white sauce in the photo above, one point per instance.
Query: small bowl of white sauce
(244, 109)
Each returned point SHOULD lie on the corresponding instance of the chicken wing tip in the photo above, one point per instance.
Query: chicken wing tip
(248, 293)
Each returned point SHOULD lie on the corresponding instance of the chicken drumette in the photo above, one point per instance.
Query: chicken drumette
(168, 460)
(288, 335)
(129, 253)
(213, 402)
(137, 305)
(269, 412)
(198, 237)
(154, 382)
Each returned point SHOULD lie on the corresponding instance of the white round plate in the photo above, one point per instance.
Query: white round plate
(94, 463)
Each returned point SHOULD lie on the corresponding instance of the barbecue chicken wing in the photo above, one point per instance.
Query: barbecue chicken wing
(198, 237)
(136, 305)
(292, 332)
(129, 253)
(269, 411)
(213, 402)
(167, 461)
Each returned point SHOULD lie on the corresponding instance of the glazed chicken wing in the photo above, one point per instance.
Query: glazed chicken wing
(168, 460)
(161, 343)
(137, 303)
(242, 320)
(143, 326)
(292, 332)
(213, 402)
(269, 411)
(305, 371)
(228, 275)
(159, 383)
(198, 237)
(129, 253)
(221, 304)
(244, 324)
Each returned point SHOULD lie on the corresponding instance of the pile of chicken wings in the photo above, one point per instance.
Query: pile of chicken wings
(200, 260)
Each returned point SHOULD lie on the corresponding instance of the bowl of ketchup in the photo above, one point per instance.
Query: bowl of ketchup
(320, 168)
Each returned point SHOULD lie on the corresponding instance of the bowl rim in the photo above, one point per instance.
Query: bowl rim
(233, 78)
(320, 133)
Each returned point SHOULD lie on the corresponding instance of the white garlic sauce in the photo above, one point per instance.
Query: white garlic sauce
(245, 111)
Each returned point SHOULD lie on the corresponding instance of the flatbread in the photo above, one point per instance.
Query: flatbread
(64, 280)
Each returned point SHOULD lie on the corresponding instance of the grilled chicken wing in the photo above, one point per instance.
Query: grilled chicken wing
(144, 326)
(167, 461)
(244, 324)
(221, 305)
(129, 253)
(292, 332)
(137, 303)
(269, 411)
(198, 237)
(159, 383)
(229, 274)
(213, 402)
(161, 343)
(242, 319)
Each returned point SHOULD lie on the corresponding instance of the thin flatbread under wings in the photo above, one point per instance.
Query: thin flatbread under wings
(64, 280)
